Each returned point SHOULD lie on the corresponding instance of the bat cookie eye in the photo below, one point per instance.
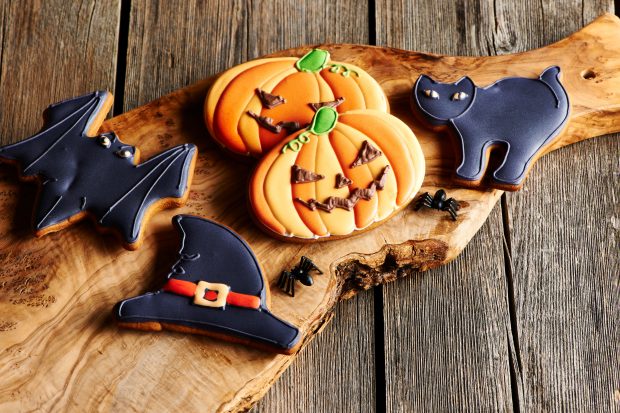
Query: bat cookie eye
(433, 94)
(460, 96)
(104, 141)
(123, 153)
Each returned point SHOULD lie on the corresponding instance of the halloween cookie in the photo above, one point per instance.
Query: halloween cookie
(216, 288)
(341, 174)
(252, 107)
(80, 174)
(518, 116)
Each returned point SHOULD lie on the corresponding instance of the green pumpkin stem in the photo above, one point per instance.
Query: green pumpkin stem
(313, 61)
(324, 121)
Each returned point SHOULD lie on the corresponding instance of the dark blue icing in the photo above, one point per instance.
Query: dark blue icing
(79, 173)
(521, 115)
(213, 253)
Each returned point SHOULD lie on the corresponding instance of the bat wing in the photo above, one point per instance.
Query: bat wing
(65, 123)
(164, 176)
(212, 252)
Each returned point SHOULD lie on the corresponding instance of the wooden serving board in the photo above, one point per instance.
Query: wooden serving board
(58, 341)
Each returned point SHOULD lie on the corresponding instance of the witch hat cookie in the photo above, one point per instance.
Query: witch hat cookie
(216, 288)
(81, 174)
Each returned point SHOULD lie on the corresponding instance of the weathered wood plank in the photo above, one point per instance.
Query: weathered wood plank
(447, 332)
(565, 240)
(173, 44)
(50, 51)
(563, 365)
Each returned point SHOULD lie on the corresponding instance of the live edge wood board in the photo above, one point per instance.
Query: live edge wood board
(58, 340)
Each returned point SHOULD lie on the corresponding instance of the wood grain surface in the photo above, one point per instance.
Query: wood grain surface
(566, 257)
(525, 319)
(170, 37)
(538, 333)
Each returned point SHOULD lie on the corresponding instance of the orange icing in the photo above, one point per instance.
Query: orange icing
(346, 151)
(392, 145)
(261, 209)
(298, 89)
(235, 98)
(307, 160)
(345, 87)
(338, 221)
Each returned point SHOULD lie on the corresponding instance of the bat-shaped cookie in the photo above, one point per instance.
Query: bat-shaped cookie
(81, 174)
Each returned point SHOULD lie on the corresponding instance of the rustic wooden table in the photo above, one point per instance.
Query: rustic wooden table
(527, 318)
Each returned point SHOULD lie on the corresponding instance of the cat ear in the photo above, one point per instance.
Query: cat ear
(465, 81)
(466, 86)
(425, 80)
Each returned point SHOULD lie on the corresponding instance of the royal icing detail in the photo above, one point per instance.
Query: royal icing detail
(522, 116)
(331, 104)
(367, 153)
(342, 181)
(100, 176)
(249, 106)
(300, 175)
(324, 121)
(354, 197)
(372, 166)
(216, 287)
(268, 100)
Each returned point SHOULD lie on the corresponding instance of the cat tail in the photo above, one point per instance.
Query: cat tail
(551, 77)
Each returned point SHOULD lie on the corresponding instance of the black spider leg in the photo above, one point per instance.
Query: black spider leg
(292, 281)
(450, 208)
(453, 206)
(454, 203)
(307, 265)
(282, 280)
(424, 200)
(286, 283)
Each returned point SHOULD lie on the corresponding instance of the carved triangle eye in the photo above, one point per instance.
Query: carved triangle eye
(268, 100)
(431, 94)
(460, 96)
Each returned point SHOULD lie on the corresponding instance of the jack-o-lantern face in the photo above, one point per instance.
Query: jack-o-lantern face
(254, 106)
(341, 174)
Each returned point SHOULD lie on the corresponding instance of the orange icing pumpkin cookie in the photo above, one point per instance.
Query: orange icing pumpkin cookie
(343, 173)
(254, 106)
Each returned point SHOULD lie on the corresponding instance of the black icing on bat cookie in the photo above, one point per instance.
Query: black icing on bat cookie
(81, 175)
(520, 115)
(215, 288)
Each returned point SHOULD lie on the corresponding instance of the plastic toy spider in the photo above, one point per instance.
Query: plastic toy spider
(300, 273)
(439, 202)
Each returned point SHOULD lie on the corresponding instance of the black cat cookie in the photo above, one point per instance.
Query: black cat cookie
(520, 116)
(216, 288)
(83, 175)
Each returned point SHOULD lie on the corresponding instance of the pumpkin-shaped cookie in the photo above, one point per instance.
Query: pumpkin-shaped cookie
(343, 173)
(252, 107)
